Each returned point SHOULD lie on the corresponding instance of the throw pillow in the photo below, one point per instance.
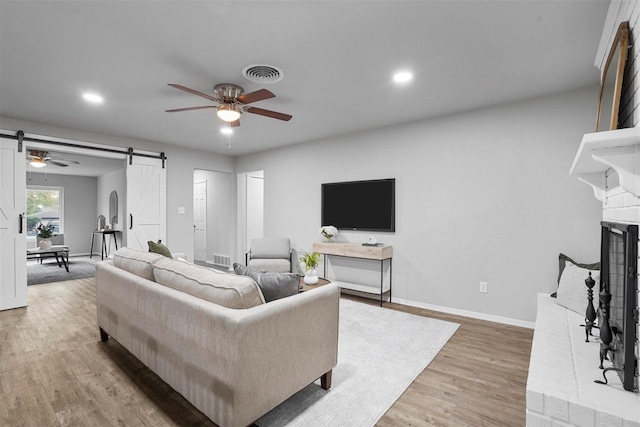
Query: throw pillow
(273, 285)
(572, 291)
(159, 248)
(563, 260)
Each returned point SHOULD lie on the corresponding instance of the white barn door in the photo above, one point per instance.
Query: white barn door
(146, 202)
(13, 242)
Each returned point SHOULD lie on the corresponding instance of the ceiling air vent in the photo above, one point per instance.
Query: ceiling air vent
(264, 74)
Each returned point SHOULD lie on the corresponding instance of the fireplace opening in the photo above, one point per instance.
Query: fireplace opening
(618, 313)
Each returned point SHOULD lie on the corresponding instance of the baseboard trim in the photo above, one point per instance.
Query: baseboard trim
(466, 313)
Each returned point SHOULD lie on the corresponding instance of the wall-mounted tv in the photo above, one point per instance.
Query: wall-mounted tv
(360, 205)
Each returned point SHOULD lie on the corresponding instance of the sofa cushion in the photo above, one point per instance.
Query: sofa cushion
(273, 285)
(159, 248)
(228, 290)
(137, 262)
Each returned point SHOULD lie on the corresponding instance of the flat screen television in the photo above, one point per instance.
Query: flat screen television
(360, 205)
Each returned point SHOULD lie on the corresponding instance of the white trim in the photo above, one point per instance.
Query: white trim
(466, 313)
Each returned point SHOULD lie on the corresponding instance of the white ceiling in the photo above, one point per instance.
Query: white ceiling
(337, 56)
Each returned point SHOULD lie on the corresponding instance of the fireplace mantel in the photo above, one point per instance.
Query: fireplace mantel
(618, 150)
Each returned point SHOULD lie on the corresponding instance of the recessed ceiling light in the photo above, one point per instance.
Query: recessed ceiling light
(94, 98)
(226, 130)
(402, 77)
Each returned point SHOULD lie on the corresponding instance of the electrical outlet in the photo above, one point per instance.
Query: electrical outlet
(484, 287)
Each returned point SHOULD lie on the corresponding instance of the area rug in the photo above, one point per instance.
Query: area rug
(48, 271)
(380, 353)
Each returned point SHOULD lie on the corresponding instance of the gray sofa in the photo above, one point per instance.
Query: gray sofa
(234, 359)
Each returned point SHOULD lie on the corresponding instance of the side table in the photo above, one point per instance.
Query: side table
(304, 287)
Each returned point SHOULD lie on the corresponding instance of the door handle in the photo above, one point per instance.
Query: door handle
(130, 221)
(20, 226)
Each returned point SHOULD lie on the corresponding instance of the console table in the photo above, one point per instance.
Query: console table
(104, 244)
(353, 250)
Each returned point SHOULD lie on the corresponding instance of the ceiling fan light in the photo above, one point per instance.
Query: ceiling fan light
(228, 113)
(37, 163)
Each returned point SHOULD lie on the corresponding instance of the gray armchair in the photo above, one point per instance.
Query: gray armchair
(270, 254)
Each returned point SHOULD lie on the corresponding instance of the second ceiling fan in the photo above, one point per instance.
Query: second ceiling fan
(231, 102)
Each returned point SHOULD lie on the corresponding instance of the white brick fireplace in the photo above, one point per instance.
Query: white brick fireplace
(560, 388)
(610, 163)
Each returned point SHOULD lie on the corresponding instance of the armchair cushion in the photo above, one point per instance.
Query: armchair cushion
(273, 265)
(273, 285)
(270, 247)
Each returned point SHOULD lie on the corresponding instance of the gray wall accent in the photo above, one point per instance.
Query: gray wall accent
(220, 212)
(480, 196)
(80, 203)
(112, 181)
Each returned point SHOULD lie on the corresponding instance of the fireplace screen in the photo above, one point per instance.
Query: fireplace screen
(618, 300)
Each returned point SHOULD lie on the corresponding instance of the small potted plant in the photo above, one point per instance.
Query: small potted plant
(310, 261)
(328, 232)
(45, 232)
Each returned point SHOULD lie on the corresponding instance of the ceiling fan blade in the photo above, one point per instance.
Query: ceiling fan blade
(258, 95)
(65, 161)
(175, 110)
(53, 162)
(195, 92)
(234, 124)
(269, 113)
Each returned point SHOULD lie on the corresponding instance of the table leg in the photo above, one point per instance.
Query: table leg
(66, 263)
(93, 235)
(104, 246)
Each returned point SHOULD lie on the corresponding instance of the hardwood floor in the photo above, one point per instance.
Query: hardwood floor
(54, 371)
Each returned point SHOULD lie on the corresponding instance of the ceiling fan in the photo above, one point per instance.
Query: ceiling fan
(232, 102)
(39, 159)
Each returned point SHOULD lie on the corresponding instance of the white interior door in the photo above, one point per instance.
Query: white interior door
(13, 242)
(146, 202)
(200, 220)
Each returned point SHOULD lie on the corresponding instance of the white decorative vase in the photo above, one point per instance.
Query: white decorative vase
(311, 277)
(45, 243)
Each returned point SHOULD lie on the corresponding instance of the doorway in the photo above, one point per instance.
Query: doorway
(213, 216)
(250, 209)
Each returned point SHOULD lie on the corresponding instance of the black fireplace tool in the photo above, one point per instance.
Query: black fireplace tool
(606, 335)
(590, 315)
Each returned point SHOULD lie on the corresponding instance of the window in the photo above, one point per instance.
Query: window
(44, 206)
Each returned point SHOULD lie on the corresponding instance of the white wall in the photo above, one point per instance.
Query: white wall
(79, 207)
(180, 165)
(480, 196)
